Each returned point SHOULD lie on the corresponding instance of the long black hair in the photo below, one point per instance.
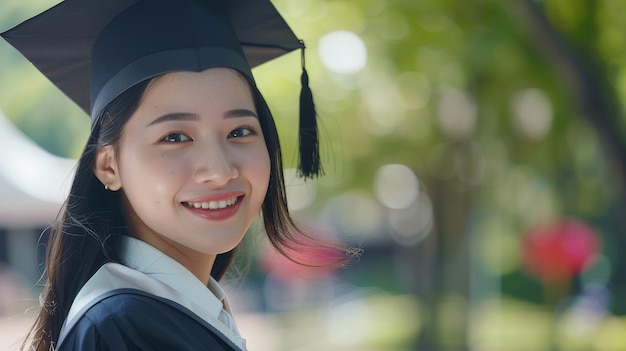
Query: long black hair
(91, 222)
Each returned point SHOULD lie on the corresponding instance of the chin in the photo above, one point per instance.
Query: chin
(217, 248)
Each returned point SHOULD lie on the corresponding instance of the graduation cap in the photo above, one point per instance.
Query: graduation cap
(94, 50)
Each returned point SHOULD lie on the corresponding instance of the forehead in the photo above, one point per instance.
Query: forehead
(211, 79)
(213, 88)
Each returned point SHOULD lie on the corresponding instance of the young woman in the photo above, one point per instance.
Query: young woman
(183, 154)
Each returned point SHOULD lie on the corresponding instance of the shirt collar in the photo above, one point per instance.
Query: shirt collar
(147, 259)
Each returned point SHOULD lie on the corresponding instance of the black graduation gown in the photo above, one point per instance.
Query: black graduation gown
(130, 319)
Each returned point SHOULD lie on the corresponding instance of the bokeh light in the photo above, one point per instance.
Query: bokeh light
(396, 186)
(410, 225)
(532, 114)
(457, 114)
(354, 212)
(300, 193)
(343, 52)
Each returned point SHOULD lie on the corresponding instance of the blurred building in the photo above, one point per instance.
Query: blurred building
(30, 198)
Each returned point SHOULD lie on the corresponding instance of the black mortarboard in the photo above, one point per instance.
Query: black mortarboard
(93, 50)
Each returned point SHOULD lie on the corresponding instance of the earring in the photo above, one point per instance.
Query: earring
(106, 186)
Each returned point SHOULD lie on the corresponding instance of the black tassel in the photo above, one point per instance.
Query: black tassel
(309, 165)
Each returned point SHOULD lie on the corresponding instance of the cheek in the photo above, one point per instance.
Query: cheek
(254, 167)
(148, 173)
(262, 171)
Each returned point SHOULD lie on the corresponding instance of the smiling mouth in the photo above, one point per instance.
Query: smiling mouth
(213, 205)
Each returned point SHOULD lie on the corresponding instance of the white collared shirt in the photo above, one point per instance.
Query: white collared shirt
(148, 269)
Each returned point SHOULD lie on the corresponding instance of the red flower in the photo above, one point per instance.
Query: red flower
(560, 251)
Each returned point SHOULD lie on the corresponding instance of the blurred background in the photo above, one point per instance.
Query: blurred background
(476, 151)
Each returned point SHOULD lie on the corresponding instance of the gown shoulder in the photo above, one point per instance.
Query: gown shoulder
(131, 321)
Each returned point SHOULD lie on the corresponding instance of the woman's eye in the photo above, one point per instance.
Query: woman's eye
(176, 138)
(240, 132)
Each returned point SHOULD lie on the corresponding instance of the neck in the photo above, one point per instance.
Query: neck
(201, 265)
(198, 263)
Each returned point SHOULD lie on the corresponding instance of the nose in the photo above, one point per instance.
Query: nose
(214, 165)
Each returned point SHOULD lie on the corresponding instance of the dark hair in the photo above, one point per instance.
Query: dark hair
(91, 221)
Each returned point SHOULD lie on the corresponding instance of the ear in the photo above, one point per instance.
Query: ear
(105, 168)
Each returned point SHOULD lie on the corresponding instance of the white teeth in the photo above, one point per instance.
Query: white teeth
(213, 205)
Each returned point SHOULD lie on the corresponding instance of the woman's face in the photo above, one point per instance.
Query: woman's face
(192, 163)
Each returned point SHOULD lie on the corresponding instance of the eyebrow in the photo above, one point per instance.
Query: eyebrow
(240, 112)
(183, 116)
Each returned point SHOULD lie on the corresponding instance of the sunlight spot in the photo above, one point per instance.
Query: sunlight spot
(532, 114)
(343, 52)
(396, 186)
(457, 114)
